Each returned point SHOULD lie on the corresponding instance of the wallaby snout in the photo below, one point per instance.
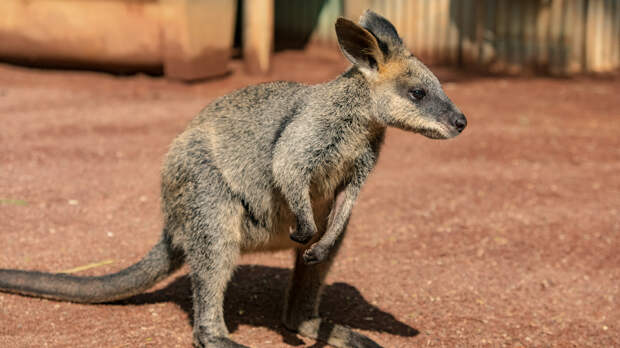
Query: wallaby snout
(459, 122)
(455, 122)
(440, 125)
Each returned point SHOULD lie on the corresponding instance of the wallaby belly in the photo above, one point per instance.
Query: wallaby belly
(276, 236)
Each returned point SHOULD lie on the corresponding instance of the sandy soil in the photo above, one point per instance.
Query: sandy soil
(507, 236)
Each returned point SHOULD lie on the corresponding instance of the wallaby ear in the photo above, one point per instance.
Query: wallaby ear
(385, 33)
(359, 46)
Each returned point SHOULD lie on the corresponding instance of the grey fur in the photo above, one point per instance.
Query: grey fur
(266, 160)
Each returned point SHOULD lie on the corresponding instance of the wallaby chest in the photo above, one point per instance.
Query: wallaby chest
(345, 159)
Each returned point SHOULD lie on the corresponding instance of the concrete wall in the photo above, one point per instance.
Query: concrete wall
(188, 39)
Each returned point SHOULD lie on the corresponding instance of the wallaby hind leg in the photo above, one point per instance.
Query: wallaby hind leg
(302, 306)
(212, 255)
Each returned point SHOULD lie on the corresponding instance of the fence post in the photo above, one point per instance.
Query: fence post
(197, 37)
(258, 29)
(594, 28)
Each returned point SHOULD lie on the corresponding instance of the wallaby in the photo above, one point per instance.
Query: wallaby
(266, 160)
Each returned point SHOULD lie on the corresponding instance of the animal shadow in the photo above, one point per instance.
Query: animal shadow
(255, 296)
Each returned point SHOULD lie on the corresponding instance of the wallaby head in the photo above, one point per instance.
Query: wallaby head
(404, 92)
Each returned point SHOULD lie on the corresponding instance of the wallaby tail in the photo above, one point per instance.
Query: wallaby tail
(156, 265)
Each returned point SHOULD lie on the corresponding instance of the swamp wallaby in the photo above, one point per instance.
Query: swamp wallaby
(266, 160)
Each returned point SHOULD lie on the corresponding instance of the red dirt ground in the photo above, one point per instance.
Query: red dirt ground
(507, 236)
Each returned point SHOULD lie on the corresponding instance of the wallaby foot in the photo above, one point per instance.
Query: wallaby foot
(317, 253)
(333, 334)
(216, 342)
(302, 302)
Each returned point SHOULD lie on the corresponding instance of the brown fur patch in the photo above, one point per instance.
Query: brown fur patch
(392, 69)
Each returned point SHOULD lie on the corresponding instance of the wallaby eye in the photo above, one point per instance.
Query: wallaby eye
(417, 94)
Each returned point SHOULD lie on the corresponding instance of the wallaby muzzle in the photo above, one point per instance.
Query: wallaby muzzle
(458, 121)
(452, 123)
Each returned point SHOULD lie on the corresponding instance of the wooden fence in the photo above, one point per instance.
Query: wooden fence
(509, 36)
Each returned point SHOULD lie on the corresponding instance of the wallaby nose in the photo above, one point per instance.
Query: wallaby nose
(460, 122)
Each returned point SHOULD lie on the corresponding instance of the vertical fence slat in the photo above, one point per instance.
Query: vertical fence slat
(415, 26)
(574, 37)
(542, 34)
(602, 40)
(554, 32)
(421, 37)
(480, 19)
(501, 36)
(467, 28)
(515, 36)
(441, 31)
(529, 33)
(407, 33)
(502, 25)
(608, 35)
(594, 42)
(487, 48)
(616, 38)
(399, 15)
(453, 32)
(431, 31)
(557, 52)
(602, 61)
(605, 42)
(590, 36)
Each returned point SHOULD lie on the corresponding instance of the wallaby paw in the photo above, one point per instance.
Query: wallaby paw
(315, 254)
(302, 234)
(300, 237)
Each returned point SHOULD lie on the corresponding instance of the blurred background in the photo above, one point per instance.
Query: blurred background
(505, 236)
(193, 39)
